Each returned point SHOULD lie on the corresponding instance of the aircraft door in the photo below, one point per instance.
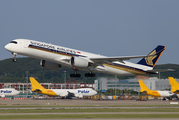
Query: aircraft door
(26, 44)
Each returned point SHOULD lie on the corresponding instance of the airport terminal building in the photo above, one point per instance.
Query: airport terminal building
(131, 84)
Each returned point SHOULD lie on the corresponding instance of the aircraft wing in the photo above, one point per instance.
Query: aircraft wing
(103, 60)
(160, 70)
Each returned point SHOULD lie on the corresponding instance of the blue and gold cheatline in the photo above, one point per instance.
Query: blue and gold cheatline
(146, 61)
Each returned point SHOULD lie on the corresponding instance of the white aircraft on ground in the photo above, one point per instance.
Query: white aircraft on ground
(36, 87)
(53, 56)
(8, 92)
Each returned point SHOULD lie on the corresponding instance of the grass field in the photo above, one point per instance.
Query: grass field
(20, 112)
(89, 116)
(140, 110)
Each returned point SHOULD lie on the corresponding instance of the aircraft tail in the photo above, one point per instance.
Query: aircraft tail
(35, 85)
(143, 87)
(152, 60)
(174, 84)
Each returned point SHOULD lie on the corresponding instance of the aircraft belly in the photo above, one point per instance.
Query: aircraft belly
(116, 71)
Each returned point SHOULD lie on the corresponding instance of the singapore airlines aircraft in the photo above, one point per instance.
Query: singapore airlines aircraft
(53, 56)
(155, 93)
(8, 92)
(36, 87)
(174, 85)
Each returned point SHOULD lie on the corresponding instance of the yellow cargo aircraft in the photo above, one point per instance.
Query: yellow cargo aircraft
(155, 93)
(174, 85)
(36, 87)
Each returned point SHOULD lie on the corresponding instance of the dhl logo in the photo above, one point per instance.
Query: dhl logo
(49, 91)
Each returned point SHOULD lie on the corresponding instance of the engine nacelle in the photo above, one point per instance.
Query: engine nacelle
(79, 62)
(49, 65)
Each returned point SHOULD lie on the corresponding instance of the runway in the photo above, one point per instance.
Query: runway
(89, 104)
(69, 102)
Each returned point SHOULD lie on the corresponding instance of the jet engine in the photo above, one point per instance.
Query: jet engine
(79, 62)
(49, 65)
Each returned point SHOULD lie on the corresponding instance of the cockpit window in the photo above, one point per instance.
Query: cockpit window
(13, 42)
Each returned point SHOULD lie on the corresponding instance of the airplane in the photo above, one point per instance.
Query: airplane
(53, 56)
(174, 85)
(8, 92)
(155, 93)
(81, 92)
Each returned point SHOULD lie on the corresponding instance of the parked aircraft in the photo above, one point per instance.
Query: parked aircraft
(155, 93)
(8, 92)
(174, 85)
(36, 87)
(53, 56)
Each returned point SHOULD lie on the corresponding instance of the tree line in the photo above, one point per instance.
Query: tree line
(15, 72)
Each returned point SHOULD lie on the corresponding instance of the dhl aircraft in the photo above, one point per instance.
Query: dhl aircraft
(8, 92)
(155, 93)
(53, 56)
(82, 92)
(174, 85)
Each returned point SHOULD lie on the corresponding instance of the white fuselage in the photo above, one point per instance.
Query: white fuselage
(166, 93)
(8, 92)
(77, 92)
(57, 54)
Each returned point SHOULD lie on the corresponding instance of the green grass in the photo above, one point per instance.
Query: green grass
(29, 106)
(88, 116)
(83, 112)
(89, 110)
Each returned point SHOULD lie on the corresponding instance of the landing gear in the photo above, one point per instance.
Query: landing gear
(90, 75)
(75, 75)
(14, 55)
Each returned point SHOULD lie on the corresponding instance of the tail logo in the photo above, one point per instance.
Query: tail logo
(149, 60)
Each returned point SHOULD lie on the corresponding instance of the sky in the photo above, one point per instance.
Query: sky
(106, 27)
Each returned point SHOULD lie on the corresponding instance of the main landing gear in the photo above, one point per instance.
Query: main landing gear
(79, 75)
(90, 75)
(86, 75)
(75, 74)
(14, 57)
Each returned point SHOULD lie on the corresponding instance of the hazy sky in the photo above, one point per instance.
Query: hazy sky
(106, 27)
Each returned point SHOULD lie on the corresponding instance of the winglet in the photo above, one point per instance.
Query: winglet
(143, 87)
(174, 85)
(152, 60)
(35, 85)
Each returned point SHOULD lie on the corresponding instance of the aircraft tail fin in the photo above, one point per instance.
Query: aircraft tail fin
(143, 87)
(152, 60)
(174, 84)
(35, 85)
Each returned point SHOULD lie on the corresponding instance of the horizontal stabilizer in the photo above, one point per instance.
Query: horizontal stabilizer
(119, 59)
(160, 70)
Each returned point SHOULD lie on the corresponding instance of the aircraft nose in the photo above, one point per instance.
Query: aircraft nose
(7, 47)
(95, 92)
(17, 92)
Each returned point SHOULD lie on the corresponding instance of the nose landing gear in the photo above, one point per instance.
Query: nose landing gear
(14, 57)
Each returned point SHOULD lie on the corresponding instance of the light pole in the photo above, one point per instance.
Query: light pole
(65, 78)
(27, 83)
